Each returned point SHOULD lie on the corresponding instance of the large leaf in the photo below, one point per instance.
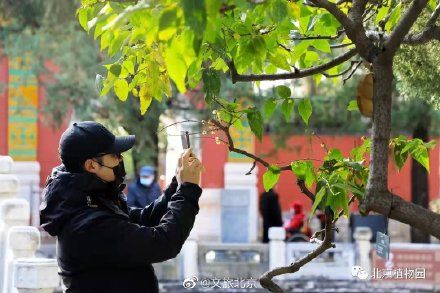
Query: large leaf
(211, 84)
(176, 67)
(283, 91)
(256, 122)
(305, 110)
(318, 198)
(121, 89)
(270, 177)
(269, 107)
(287, 109)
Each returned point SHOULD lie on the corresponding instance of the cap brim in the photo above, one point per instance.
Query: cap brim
(123, 143)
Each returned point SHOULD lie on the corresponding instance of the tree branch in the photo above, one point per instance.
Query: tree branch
(427, 35)
(354, 32)
(345, 71)
(404, 26)
(232, 148)
(300, 73)
(434, 16)
(401, 210)
(294, 36)
(266, 278)
(305, 190)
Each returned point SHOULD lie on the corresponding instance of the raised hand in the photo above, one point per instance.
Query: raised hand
(189, 168)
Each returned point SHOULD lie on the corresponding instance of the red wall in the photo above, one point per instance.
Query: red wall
(48, 136)
(303, 147)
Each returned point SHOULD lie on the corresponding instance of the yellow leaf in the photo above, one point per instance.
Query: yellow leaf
(145, 99)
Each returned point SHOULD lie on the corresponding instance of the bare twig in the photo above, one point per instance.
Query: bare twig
(337, 46)
(351, 74)
(178, 122)
(252, 168)
(232, 148)
(343, 72)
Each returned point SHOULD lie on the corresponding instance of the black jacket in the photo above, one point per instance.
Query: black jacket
(105, 246)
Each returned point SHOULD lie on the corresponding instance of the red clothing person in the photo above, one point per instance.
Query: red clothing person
(297, 221)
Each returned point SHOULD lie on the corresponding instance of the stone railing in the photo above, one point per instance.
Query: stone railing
(20, 270)
(335, 263)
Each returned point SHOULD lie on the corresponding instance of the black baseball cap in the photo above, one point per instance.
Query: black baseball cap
(88, 139)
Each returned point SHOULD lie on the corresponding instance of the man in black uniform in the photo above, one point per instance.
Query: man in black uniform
(103, 245)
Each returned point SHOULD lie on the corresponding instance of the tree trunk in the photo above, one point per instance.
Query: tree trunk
(419, 175)
(382, 96)
(146, 149)
(377, 198)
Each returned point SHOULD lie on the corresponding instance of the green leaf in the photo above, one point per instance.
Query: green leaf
(394, 17)
(167, 18)
(322, 45)
(176, 67)
(145, 99)
(357, 153)
(256, 122)
(352, 106)
(129, 66)
(287, 109)
(421, 156)
(269, 107)
(283, 91)
(305, 110)
(399, 157)
(318, 198)
(383, 11)
(211, 84)
(270, 177)
(121, 89)
(305, 171)
(115, 69)
(334, 154)
(83, 17)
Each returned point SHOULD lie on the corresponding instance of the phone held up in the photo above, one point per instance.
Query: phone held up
(184, 136)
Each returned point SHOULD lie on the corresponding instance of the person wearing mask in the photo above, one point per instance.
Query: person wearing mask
(270, 210)
(144, 190)
(103, 245)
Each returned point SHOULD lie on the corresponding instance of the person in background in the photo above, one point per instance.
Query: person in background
(296, 222)
(271, 212)
(144, 190)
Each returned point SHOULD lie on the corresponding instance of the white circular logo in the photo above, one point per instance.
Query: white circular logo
(358, 271)
(190, 283)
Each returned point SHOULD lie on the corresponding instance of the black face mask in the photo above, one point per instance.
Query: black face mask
(119, 171)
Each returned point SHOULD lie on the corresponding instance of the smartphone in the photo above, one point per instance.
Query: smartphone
(184, 136)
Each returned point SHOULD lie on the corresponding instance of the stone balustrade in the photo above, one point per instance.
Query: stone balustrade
(20, 270)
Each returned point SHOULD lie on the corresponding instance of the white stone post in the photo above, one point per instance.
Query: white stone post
(362, 236)
(29, 175)
(35, 275)
(13, 212)
(9, 183)
(190, 255)
(277, 248)
(236, 178)
(22, 242)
